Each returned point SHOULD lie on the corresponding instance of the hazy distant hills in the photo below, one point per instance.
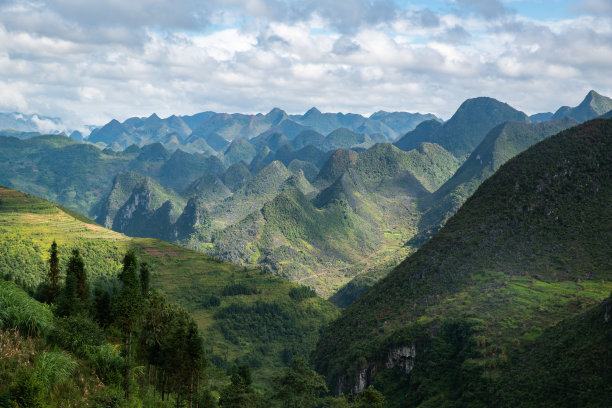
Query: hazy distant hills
(530, 247)
(29, 123)
(210, 132)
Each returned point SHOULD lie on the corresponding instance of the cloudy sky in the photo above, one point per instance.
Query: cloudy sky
(90, 61)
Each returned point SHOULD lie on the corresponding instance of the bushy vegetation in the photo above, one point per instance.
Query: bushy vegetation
(300, 293)
(20, 312)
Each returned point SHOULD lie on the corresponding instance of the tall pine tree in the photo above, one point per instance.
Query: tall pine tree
(73, 297)
(129, 309)
(53, 275)
(145, 277)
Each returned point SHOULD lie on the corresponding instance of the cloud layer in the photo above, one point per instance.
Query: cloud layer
(89, 62)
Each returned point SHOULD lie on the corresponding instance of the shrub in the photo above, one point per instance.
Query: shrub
(239, 289)
(107, 363)
(76, 333)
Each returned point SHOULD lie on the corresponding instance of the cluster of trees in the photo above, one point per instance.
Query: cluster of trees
(154, 334)
(162, 359)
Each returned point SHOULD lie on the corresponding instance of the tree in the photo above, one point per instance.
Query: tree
(239, 393)
(76, 267)
(145, 277)
(53, 274)
(370, 398)
(129, 308)
(158, 317)
(73, 296)
(299, 386)
(101, 306)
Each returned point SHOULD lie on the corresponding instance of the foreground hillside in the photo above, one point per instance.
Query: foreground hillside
(531, 247)
(246, 315)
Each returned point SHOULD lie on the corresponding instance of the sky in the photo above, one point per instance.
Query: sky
(91, 61)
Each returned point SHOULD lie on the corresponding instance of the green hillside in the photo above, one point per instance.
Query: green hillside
(569, 365)
(358, 223)
(501, 144)
(530, 248)
(260, 325)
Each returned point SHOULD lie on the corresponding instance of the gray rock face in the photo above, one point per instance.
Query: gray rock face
(364, 379)
(402, 357)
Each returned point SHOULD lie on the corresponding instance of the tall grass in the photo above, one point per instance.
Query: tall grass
(21, 312)
(53, 369)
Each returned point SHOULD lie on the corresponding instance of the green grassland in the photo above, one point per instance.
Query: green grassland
(193, 280)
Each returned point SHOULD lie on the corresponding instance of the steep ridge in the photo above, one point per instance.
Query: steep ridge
(366, 208)
(252, 196)
(466, 128)
(236, 176)
(592, 106)
(149, 211)
(501, 143)
(123, 185)
(236, 327)
(530, 247)
(209, 189)
(421, 133)
(182, 169)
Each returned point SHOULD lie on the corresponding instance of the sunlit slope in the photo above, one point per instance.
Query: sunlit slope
(246, 315)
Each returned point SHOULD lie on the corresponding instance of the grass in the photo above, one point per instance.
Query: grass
(20, 312)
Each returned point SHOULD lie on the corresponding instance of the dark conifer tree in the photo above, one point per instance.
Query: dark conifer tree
(72, 299)
(129, 309)
(76, 267)
(101, 306)
(53, 274)
(145, 277)
(68, 303)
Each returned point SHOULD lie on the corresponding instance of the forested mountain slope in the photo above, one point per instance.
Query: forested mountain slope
(531, 246)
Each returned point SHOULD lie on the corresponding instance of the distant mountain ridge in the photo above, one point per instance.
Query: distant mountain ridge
(210, 132)
(592, 106)
(466, 128)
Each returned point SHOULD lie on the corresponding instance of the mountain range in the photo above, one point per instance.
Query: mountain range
(264, 201)
(471, 257)
(211, 132)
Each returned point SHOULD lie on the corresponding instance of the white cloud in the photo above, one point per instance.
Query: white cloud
(56, 60)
